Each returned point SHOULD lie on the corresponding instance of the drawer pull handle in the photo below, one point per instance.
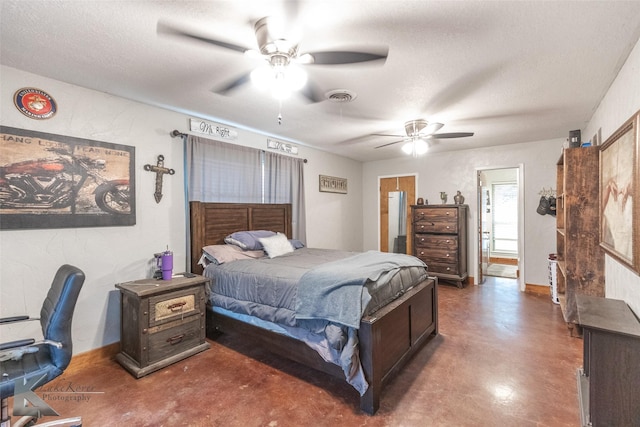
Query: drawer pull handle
(177, 306)
(448, 268)
(175, 339)
(448, 255)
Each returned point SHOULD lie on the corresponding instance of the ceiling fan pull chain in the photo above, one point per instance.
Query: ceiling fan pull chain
(280, 112)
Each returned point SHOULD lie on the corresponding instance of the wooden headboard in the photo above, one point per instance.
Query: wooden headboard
(212, 222)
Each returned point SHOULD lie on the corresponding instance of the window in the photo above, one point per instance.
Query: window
(230, 173)
(505, 218)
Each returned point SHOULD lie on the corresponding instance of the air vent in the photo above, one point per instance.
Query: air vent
(340, 96)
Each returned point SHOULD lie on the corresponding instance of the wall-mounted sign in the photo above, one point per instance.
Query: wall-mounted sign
(35, 103)
(281, 146)
(331, 184)
(212, 129)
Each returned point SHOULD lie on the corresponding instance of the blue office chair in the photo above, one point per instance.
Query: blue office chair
(27, 364)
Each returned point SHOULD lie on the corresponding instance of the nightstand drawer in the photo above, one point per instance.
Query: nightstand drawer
(175, 305)
(174, 340)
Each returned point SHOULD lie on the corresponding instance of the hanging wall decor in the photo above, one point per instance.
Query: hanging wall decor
(159, 170)
(618, 202)
(35, 103)
(331, 184)
(55, 181)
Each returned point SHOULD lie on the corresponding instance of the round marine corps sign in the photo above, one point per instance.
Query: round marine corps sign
(35, 103)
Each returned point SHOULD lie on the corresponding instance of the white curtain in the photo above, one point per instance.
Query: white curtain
(229, 173)
(221, 172)
(284, 183)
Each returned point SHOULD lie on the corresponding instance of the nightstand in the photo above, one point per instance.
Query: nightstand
(161, 322)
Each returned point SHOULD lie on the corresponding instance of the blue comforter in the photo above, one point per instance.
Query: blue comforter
(335, 291)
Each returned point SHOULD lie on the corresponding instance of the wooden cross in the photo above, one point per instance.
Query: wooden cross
(160, 170)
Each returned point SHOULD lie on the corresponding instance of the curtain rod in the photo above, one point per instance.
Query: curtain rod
(174, 133)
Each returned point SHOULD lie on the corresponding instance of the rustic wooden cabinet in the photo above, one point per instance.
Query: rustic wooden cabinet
(440, 240)
(580, 258)
(161, 322)
(609, 378)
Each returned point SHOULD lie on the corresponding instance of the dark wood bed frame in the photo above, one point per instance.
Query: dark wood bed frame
(388, 338)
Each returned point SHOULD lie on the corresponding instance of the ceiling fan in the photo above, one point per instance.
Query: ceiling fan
(418, 132)
(281, 59)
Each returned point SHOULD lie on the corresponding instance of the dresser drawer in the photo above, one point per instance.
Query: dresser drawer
(442, 256)
(168, 340)
(429, 214)
(443, 268)
(175, 305)
(441, 224)
(435, 241)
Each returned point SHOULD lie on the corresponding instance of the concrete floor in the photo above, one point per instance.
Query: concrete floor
(503, 358)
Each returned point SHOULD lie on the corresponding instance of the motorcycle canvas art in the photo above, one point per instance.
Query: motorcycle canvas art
(51, 181)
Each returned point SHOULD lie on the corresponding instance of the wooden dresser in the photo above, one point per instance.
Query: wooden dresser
(440, 240)
(162, 322)
(609, 378)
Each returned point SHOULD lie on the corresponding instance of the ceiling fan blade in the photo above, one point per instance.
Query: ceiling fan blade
(224, 90)
(451, 135)
(388, 134)
(166, 29)
(391, 143)
(346, 57)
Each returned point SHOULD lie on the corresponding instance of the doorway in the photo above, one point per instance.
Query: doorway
(397, 194)
(500, 243)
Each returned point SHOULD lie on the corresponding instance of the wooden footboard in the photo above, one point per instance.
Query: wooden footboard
(388, 338)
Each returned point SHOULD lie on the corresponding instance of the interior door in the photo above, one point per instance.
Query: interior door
(394, 187)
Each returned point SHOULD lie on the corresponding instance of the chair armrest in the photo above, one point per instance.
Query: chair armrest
(13, 319)
(16, 349)
(18, 343)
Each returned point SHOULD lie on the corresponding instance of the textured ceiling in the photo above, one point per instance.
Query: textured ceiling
(510, 72)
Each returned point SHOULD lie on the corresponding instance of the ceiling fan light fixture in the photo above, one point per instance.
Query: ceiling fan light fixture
(416, 147)
(280, 79)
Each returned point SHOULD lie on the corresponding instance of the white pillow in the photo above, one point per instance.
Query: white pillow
(276, 245)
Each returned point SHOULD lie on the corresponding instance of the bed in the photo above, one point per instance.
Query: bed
(386, 338)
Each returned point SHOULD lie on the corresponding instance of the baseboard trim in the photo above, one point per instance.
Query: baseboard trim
(87, 359)
(499, 260)
(537, 289)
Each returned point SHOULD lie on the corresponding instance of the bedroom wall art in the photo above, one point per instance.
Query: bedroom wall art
(331, 184)
(618, 201)
(56, 181)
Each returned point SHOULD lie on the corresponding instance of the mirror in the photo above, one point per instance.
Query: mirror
(397, 222)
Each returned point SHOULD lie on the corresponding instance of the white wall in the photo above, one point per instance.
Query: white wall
(456, 170)
(621, 101)
(110, 255)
